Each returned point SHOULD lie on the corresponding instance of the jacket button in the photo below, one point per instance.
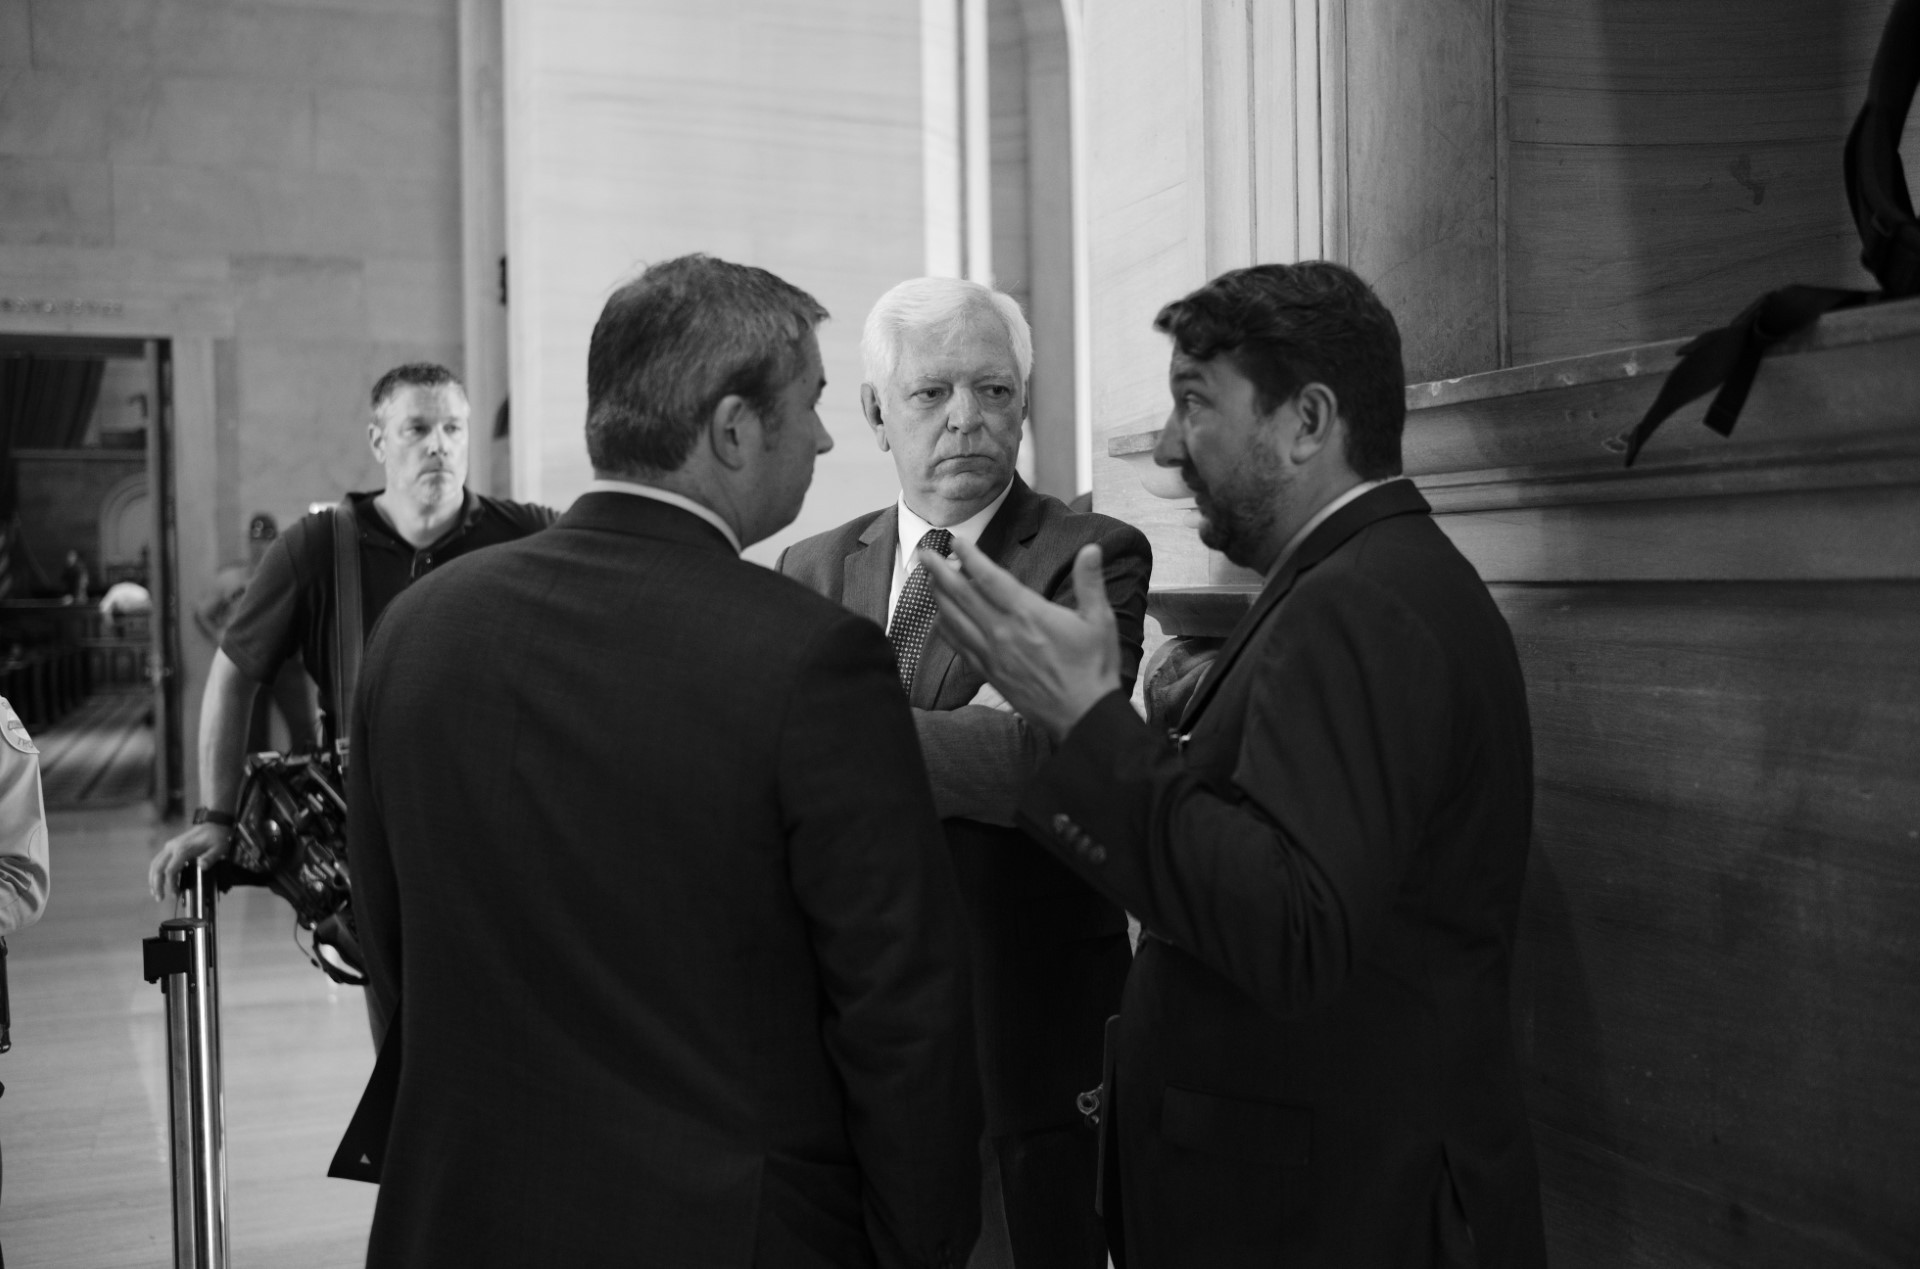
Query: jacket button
(1098, 854)
(1062, 825)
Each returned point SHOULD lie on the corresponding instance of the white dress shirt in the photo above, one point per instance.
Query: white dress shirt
(672, 499)
(913, 528)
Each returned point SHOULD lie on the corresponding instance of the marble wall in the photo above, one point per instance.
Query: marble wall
(298, 162)
(768, 132)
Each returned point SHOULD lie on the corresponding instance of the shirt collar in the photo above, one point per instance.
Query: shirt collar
(913, 528)
(604, 484)
(372, 522)
(1321, 516)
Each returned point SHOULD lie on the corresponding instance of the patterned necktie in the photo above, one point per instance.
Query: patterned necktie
(913, 613)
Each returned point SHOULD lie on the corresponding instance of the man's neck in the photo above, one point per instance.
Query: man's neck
(1312, 495)
(418, 526)
(695, 486)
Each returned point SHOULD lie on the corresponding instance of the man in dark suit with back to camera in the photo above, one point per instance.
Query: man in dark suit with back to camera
(1315, 1059)
(947, 363)
(643, 852)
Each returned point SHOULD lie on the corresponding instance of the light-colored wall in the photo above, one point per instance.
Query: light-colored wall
(1146, 72)
(302, 158)
(271, 186)
(776, 134)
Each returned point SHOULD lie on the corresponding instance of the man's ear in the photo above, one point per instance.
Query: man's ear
(1318, 410)
(870, 406)
(377, 441)
(734, 429)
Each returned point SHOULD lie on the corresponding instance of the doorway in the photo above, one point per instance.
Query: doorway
(88, 566)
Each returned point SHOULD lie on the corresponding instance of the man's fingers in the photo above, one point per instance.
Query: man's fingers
(962, 627)
(1001, 588)
(966, 644)
(1090, 587)
(953, 592)
(164, 872)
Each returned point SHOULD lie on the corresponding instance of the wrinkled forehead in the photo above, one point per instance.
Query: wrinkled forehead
(436, 404)
(969, 344)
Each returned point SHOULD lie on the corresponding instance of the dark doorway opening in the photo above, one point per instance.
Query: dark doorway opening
(88, 595)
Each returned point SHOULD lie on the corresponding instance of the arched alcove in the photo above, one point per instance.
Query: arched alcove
(126, 526)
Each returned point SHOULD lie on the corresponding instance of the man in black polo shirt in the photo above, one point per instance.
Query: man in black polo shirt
(424, 517)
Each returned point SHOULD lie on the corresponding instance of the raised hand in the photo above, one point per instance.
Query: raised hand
(1051, 663)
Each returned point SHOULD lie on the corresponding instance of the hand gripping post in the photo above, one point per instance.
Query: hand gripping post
(181, 960)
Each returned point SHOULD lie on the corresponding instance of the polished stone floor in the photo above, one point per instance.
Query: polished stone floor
(83, 1122)
(101, 754)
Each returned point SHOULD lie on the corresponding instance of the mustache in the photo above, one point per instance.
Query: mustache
(1191, 475)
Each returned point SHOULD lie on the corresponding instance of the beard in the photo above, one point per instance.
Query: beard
(1238, 511)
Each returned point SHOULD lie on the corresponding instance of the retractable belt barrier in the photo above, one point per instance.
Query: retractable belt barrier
(182, 960)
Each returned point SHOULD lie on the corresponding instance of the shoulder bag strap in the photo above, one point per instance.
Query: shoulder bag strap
(348, 633)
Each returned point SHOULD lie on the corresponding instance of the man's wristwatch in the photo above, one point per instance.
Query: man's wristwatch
(207, 815)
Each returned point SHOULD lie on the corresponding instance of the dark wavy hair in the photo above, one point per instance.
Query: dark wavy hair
(1284, 326)
(414, 374)
(673, 342)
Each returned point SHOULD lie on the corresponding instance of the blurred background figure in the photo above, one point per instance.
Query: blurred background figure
(74, 579)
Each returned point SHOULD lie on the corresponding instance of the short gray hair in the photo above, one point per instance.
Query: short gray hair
(673, 342)
(920, 303)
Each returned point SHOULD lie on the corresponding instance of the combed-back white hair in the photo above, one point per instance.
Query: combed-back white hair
(927, 303)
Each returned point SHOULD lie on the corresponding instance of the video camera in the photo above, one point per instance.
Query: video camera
(290, 836)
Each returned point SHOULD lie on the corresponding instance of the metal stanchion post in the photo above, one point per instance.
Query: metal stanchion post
(181, 960)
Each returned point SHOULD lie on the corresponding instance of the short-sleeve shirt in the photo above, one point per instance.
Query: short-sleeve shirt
(23, 826)
(288, 607)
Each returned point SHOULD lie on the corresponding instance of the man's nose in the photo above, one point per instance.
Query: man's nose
(822, 438)
(1171, 449)
(965, 414)
(438, 440)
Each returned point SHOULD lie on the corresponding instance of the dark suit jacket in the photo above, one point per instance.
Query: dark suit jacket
(1315, 1060)
(1049, 954)
(642, 845)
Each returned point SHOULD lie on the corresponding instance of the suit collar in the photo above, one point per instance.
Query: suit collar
(1015, 524)
(1399, 497)
(867, 573)
(608, 512)
(636, 489)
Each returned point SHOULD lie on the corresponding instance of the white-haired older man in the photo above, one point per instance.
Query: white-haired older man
(947, 364)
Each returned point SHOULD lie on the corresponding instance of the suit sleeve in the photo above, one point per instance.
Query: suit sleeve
(1276, 876)
(979, 759)
(376, 906)
(870, 869)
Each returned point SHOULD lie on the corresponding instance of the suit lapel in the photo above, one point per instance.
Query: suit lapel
(867, 574)
(1397, 498)
(1003, 540)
